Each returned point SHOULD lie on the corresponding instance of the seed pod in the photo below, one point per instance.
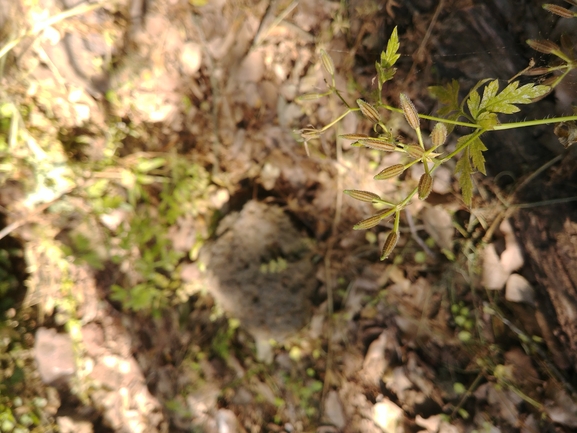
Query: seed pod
(367, 196)
(425, 186)
(390, 244)
(378, 144)
(415, 151)
(543, 46)
(310, 133)
(355, 137)
(327, 62)
(310, 97)
(558, 10)
(410, 111)
(439, 134)
(369, 111)
(374, 220)
(390, 172)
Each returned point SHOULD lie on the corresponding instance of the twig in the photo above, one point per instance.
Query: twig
(414, 234)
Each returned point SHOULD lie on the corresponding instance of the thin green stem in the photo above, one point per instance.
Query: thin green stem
(526, 123)
(437, 119)
(338, 119)
(473, 137)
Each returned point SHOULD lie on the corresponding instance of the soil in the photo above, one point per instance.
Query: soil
(287, 321)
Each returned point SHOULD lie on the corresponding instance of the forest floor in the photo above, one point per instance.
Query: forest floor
(175, 259)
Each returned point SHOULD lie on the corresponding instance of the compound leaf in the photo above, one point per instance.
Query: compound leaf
(473, 102)
(385, 68)
(448, 97)
(476, 149)
(464, 170)
(504, 101)
(390, 56)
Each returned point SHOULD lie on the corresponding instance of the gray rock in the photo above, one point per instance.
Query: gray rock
(54, 355)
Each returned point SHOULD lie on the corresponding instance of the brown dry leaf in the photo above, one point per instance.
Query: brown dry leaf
(439, 225)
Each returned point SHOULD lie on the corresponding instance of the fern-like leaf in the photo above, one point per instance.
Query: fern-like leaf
(504, 102)
(464, 170)
(385, 68)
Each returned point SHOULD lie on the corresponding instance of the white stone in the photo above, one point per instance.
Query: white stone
(518, 289)
(388, 416)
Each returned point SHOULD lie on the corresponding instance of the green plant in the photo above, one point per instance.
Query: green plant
(478, 111)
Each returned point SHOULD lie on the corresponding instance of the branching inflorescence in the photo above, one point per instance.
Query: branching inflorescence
(478, 110)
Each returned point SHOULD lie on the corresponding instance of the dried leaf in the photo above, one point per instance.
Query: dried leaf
(390, 172)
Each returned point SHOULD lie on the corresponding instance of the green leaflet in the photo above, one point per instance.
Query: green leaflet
(390, 56)
(464, 170)
(494, 101)
(385, 68)
(476, 149)
(448, 97)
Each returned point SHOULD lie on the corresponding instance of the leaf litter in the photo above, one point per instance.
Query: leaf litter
(391, 364)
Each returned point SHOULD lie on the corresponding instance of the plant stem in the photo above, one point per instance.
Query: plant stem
(525, 123)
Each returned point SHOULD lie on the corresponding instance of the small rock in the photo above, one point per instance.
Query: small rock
(431, 424)
(54, 355)
(494, 276)
(334, 410)
(226, 421)
(518, 289)
(191, 58)
(70, 425)
(388, 416)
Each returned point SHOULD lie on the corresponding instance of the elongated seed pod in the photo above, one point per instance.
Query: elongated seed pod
(378, 144)
(390, 244)
(327, 62)
(362, 195)
(425, 186)
(410, 111)
(558, 10)
(369, 111)
(543, 46)
(390, 172)
(439, 134)
(415, 151)
(355, 137)
(373, 220)
(310, 97)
